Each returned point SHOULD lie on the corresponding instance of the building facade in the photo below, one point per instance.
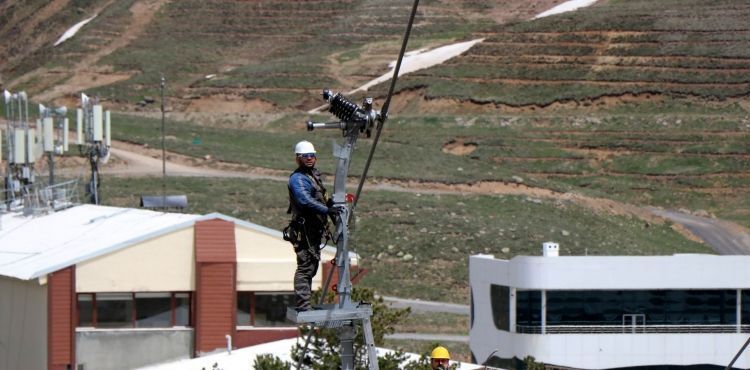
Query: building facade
(611, 312)
(97, 287)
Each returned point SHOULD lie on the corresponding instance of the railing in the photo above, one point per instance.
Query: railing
(40, 199)
(628, 329)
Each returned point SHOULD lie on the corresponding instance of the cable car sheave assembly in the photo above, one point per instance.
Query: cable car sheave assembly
(354, 120)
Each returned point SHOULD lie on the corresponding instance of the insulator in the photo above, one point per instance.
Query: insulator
(343, 108)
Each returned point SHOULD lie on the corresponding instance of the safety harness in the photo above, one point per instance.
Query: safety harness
(296, 231)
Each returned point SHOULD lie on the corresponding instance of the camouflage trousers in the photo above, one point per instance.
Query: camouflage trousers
(308, 259)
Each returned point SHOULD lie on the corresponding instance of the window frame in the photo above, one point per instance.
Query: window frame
(252, 309)
(134, 313)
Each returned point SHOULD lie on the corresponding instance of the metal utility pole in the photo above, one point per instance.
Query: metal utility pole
(163, 149)
(354, 120)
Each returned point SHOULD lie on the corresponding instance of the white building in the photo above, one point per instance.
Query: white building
(611, 312)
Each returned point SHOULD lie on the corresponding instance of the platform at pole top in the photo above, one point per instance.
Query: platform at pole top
(321, 315)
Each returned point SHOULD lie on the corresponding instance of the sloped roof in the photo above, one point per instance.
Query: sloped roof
(31, 247)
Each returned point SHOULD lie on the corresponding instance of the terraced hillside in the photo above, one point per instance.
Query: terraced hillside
(622, 49)
(273, 50)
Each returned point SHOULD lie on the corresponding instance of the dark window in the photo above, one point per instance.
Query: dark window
(659, 307)
(500, 301)
(85, 310)
(270, 309)
(528, 307)
(244, 308)
(745, 307)
(127, 310)
(263, 309)
(114, 310)
(182, 309)
(153, 310)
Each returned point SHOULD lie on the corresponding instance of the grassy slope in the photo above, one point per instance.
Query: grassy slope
(277, 51)
(439, 231)
(680, 155)
(675, 47)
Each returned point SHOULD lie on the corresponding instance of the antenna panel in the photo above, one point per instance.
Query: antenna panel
(65, 135)
(48, 139)
(79, 126)
(39, 132)
(107, 129)
(30, 152)
(98, 128)
(19, 149)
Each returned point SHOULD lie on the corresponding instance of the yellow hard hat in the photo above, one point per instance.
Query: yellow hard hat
(440, 353)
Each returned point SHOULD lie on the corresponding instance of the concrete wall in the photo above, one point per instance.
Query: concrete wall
(23, 324)
(128, 349)
(162, 264)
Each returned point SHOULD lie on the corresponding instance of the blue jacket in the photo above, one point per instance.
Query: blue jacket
(305, 194)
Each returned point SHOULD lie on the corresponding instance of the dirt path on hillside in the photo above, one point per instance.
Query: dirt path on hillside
(86, 74)
(132, 160)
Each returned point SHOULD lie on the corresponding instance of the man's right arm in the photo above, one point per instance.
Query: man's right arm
(302, 190)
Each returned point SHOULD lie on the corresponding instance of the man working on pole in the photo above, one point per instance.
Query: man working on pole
(308, 206)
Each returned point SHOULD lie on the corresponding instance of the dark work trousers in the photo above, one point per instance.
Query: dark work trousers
(308, 259)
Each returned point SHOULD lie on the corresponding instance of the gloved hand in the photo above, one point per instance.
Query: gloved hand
(336, 209)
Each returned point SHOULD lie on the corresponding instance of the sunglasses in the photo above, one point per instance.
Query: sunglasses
(306, 155)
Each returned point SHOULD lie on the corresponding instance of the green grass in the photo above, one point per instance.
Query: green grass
(668, 159)
(434, 323)
(612, 49)
(439, 231)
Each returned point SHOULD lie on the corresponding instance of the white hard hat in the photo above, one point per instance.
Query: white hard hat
(304, 147)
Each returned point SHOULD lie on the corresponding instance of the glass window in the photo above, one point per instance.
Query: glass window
(528, 307)
(114, 310)
(270, 309)
(182, 309)
(660, 307)
(244, 308)
(500, 301)
(263, 309)
(85, 310)
(153, 310)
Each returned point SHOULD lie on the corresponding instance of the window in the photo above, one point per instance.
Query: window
(263, 309)
(182, 309)
(114, 310)
(133, 310)
(85, 310)
(500, 301)
(153, 310)
(660, 307)
(529, 307)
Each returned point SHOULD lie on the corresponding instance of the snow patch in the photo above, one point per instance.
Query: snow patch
(73, 30)
(566, 7)
(242, 359)
(421, 59)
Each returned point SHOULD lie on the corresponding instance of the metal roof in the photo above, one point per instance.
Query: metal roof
(31, 247)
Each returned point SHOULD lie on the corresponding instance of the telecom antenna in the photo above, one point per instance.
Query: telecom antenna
(94, 129)
(21, 142)
(54, 133)
(354, 120)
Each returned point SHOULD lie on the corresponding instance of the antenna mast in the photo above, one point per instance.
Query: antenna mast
(53, 121)
(94, 140)
(20, 143)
